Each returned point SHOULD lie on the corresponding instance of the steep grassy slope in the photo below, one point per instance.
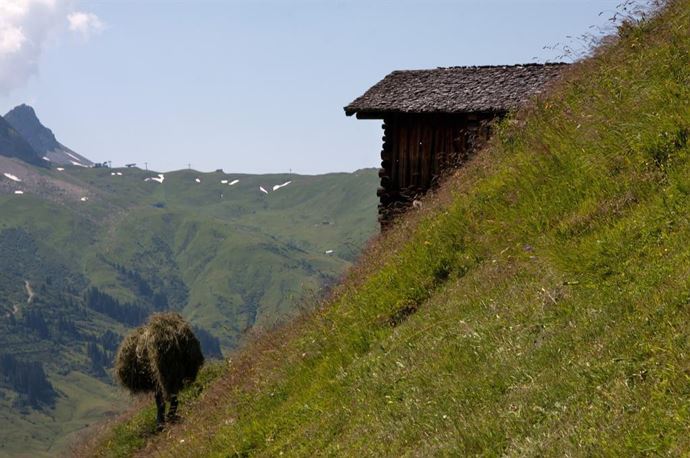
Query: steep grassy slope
(538, 308)
(230, 258)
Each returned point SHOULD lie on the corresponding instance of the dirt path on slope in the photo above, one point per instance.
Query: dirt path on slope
(29, 292)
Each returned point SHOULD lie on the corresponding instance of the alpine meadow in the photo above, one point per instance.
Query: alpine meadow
(536, 305)
(513, 281)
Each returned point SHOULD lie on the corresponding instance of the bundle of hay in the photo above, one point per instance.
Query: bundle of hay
(160, 356)
(132, 364)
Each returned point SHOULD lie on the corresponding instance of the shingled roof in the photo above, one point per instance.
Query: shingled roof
(455, 90)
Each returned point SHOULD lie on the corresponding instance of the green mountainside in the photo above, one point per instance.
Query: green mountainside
(89, 252)
(536, 306)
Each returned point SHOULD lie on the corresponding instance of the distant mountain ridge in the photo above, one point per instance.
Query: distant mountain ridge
(24, 120)
(13, 144)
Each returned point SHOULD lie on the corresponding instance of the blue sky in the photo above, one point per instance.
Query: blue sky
(259, 86)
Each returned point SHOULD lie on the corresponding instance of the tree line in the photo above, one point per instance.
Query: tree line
(28, 379)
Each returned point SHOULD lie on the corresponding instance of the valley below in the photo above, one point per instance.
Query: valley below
(88, 253)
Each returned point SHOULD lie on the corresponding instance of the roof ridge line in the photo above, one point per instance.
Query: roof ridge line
(494, 66)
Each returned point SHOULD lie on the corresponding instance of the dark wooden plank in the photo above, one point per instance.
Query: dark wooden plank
(399, 176)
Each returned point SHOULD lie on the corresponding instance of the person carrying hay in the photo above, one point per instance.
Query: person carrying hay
(161, 356)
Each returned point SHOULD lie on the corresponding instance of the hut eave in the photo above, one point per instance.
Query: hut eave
(455, 90)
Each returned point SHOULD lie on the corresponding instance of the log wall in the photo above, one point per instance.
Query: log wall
(419, 149)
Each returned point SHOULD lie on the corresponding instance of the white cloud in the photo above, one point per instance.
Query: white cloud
(11, 39)
(25, 28)
(85, 24)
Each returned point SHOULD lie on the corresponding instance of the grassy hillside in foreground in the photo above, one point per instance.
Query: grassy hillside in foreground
(539, 308)
(85, 254)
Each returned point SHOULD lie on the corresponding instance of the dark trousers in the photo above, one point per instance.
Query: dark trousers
(160, 408)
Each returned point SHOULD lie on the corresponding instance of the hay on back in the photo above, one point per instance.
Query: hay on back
(162, 355)
(174, 351)
(132, 364)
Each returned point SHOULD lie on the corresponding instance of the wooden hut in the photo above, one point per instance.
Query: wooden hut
(434, 119)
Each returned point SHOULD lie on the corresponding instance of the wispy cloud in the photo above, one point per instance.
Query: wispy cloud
(25, 28)
(85, 24)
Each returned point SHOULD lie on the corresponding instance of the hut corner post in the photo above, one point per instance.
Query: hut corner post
(386, 192)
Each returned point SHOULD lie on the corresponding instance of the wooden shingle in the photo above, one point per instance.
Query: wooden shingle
(496, 89)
